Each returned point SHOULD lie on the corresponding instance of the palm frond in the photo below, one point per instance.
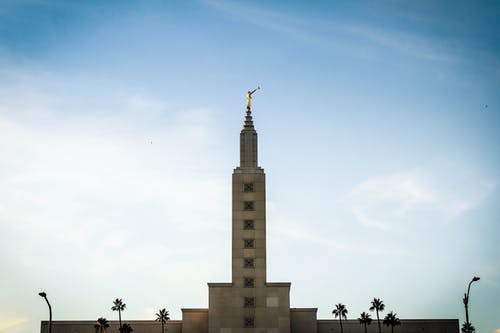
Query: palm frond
(118, 305)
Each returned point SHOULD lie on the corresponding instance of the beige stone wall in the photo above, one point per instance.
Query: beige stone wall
(227, 311)
(257, 178)
(303, 320)
(407, 326)
(270, 310)
(87, 326)
(276, 312)
(194, 321)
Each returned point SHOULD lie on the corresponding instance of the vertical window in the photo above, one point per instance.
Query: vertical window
(249, 282)
(248, 225)
(249, 322)
(248, 205)
(248, 187)
(248, 243)
(248, 263)
(249, 302)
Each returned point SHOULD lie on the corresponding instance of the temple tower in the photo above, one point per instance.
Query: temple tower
(248, 213)
(249, 303)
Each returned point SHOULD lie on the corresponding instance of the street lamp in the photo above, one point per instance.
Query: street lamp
(466, 300)
(44, 295)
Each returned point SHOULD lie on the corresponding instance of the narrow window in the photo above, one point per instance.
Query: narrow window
(248, 225)
(249, 282)
(249, 322)
(248, 187)
(249, 302)
(249, 243)
(248, 263)
(248, 205)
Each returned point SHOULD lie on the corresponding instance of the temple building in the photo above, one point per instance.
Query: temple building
(249, 303)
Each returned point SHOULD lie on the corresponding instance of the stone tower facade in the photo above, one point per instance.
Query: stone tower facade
(249, 303)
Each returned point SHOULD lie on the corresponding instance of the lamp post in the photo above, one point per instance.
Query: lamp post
(466, 300)
(44, 295)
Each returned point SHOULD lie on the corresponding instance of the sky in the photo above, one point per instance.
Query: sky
(379, 134)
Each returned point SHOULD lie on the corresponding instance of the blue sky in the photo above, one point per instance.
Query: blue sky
(378, 130)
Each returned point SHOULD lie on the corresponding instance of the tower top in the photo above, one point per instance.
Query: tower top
(248, 138)
(248, 117)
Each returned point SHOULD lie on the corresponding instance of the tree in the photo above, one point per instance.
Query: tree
(341, 312)
(364, 318)
(102, 324)
(392, 320)
(377, 305)
(468, 328)
(126, 328)
(162, 316)
(119, 306)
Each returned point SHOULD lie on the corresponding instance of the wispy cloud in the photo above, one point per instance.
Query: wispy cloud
(263, 18)
(411, 44)
(343, 35)
(287, 228)
(384, 201)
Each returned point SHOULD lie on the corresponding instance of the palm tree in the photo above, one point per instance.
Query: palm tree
(119, 306)
(468, 328)
(96, 326)
(162, 316)
(341, 312)
(377, 305)
(392, 320)
(102, 324)
(126, 328)
(364, 318)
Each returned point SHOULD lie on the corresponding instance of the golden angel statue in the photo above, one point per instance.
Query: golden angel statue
(249, 97)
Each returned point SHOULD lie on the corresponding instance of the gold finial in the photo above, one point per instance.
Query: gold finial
(249, 97)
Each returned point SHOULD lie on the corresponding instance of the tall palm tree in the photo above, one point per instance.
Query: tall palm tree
(102, 324)
(365, 319)
(119, 306)
(468, 328)
(341, 312)
(162, 316)
(392, 320)
(377, 305)
(126, 328)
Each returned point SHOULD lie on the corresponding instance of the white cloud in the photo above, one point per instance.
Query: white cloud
(360, 214)
(293, 231)
(106, 193)
(384, 201)
(49, 178)
(403, 188)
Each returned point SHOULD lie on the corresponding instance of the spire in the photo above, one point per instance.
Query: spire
(248, 138)
(248, 119)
